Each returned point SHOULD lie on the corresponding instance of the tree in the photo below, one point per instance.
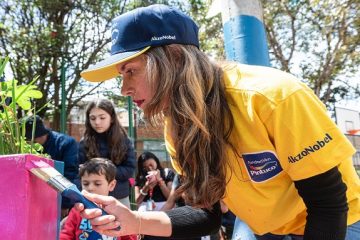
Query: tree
(319, 41)
(319, 46)
(210, 32)
(39, 35)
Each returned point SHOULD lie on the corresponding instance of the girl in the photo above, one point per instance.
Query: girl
(105, 137)
(153, 182)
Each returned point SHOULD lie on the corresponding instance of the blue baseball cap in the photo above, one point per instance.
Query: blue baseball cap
(134, 32)
(40, 129)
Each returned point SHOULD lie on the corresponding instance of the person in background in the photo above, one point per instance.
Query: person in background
(152, 182)
(105, 137)
(176, 200)
(60, 147)
(97, 176)
(255, 137)
(227, 223)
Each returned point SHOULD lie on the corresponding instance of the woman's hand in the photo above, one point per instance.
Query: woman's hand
(119, 215)
(149, 185)
(157, 175)
(152, 176)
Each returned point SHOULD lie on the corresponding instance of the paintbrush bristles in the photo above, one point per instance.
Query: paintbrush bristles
(52, 177)
(45, 173)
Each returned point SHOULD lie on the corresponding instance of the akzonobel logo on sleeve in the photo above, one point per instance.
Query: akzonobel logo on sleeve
(319, 144)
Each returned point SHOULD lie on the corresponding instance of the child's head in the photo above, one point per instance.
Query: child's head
(101, 118)
(148, 161)
(98, 176)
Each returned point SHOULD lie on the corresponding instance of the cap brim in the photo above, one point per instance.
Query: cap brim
(106, 69)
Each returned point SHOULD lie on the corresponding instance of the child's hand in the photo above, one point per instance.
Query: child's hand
(151, 177)
(155, 174)
(150, 184)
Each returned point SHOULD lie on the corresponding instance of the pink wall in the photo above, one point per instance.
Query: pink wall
(29, 207)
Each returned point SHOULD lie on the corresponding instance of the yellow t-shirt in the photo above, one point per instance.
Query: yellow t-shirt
(282, 133)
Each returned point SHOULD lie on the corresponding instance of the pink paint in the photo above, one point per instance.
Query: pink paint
(29, 207)
(36, 163)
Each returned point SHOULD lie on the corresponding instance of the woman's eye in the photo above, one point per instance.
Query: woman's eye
(130, 71)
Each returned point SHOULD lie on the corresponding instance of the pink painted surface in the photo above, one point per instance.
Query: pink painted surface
(29, 207)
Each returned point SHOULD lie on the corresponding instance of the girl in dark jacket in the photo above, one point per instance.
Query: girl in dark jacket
(153, 182)
(105, 137)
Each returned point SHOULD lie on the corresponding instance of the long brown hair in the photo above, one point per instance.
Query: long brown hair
(189, 85)
(116, 135)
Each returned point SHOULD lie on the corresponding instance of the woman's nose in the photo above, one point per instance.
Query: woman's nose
(126, 89)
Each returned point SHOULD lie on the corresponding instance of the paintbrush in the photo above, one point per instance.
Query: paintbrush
(58, 182)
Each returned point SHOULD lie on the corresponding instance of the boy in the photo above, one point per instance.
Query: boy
(97, 176)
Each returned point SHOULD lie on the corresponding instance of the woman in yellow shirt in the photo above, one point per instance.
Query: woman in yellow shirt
(253, 136)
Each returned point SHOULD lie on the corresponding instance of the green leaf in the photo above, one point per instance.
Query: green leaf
(23, 95)
(3, 63)
(24, 102)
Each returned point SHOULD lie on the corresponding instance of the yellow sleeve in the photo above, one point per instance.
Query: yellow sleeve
(306, 139)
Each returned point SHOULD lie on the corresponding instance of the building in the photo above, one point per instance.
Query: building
(348, 121)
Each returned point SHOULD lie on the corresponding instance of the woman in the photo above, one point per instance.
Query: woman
(153, 182)
(105, 137)
(253, 136)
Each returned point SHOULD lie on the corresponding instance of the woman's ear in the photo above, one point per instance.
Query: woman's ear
(112, 185)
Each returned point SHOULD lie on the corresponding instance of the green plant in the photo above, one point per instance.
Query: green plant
(14, 97)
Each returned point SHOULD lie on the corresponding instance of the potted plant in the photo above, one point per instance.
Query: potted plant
(28, 202)
(12, 132)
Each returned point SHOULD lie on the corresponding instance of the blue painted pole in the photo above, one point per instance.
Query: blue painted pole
(245, 42)
(244, 31)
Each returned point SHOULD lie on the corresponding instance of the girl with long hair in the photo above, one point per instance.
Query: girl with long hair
(105, 137)
(153, 182)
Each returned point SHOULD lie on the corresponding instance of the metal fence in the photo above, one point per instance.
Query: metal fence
(355, 141)
(356, 159)
(356, 162)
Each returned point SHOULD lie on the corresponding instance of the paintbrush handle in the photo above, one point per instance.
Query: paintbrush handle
(75, 195)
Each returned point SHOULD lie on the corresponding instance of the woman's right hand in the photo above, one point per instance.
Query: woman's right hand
(119, 215)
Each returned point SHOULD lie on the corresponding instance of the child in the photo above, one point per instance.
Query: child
(97, 176)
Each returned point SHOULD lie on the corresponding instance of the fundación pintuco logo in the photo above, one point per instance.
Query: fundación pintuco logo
(310, 149)
(262, 166)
